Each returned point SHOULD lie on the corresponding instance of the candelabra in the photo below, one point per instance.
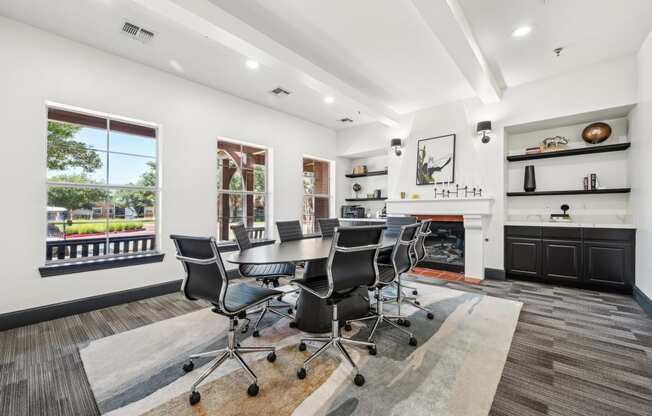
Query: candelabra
(457, 191)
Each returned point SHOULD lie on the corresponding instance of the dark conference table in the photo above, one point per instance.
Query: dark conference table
(312, 313)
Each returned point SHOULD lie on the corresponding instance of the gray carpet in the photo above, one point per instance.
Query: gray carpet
(455, 370)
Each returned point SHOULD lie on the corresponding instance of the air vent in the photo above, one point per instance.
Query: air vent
(137, 32)
(280, 91)
(346, 120)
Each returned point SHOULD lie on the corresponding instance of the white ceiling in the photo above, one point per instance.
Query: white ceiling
(378, 59)
(590, 31)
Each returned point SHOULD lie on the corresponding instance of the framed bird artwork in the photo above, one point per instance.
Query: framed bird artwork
(436, 160)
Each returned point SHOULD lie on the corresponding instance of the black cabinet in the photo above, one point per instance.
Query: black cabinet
(588, 257)
(609, 263)
(523, 256)
(561, 260)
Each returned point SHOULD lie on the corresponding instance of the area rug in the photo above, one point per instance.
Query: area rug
(454, 370)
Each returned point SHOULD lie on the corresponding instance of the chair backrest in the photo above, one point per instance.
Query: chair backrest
(352, 259)
(289, 230)
(420, 245)
(206, 276)
(401, 254)
(327, 226)
(241, 236)
(394, 225)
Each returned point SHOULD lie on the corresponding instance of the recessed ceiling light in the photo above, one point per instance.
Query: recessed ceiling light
(329, 100)
(522, 31)
(251, 64)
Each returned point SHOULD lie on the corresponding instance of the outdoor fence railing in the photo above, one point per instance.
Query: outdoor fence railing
(93, 247)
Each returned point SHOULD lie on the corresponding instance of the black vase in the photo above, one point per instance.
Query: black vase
(530, 182)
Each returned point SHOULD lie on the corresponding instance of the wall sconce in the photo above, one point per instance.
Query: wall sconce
(396, 145)
(483, 128)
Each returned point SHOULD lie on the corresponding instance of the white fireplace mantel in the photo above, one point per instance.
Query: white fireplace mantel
(474, 211)
(447, 206)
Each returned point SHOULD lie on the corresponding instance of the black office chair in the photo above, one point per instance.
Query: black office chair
(388, 273)
(206, 279)
(327, 226)
(289, 230)
(266, 274)
(351, 264)
(419, 251)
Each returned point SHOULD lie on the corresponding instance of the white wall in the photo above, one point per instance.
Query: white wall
(641, 169)
(609, 84)
(36, 66)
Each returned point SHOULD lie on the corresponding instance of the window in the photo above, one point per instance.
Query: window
(316, 193)
(242, 187)
(102, 187)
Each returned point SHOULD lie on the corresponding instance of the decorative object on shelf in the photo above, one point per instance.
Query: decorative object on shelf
(529, 182)
(414, 196)
(360, 170)
(483, 128)
(561, 217)
(377, 193)
(402, 195)
(586, 183)
(554, 144)
(436, 157)
(533, 150)
(397, 146)
(459, 192)
(596, 133)
(594, 181)
(356, 188)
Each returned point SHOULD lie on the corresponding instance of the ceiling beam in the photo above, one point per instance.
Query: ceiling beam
(211, 21)
(447, 21)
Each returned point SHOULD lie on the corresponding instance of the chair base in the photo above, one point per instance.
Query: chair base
(276, 310)
(380, 317)
(234, 351)
(337, 341)
(402, 298)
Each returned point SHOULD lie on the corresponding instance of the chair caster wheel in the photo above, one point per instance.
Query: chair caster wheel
(271, 357)
(358, 380)
(347, 327)
(188, 367)
(430, 316)
(293, 324)
(372, 350)
(413, 342)
(290, 311)
(302, 347)
(415, 292)
(194, 398)
(400, 321)
(301, 374)
(252, 390)
(406, 323)
(256, 334)
(280, 298)
(416, 302)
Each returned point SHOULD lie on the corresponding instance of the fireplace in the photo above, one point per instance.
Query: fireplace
(445, 244)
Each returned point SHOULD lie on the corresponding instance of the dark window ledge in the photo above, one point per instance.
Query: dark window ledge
(58, 269)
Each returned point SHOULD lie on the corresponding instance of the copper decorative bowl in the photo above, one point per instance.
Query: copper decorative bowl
(596, 132)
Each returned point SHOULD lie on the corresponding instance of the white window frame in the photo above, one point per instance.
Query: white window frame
(156, 189)
(268, 186)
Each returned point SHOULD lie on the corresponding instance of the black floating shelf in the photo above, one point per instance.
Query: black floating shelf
(365, 199)
(362, 175)
(577, 192)
(572, 152)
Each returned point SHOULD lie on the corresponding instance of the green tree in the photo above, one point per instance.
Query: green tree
(139, 200)
(74, 198)
(64, 151)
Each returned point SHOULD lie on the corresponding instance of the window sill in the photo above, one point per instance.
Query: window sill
(100, 264)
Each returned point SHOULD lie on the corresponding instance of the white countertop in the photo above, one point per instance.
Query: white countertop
(364, 219)
(583, 222)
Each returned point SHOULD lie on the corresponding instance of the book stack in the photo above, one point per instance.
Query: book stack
(533, 150)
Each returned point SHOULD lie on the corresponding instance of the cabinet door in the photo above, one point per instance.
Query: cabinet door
(608, 263)
(523, 256)
(562, 259)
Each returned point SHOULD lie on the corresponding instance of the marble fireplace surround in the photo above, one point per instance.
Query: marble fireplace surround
(472, 212)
